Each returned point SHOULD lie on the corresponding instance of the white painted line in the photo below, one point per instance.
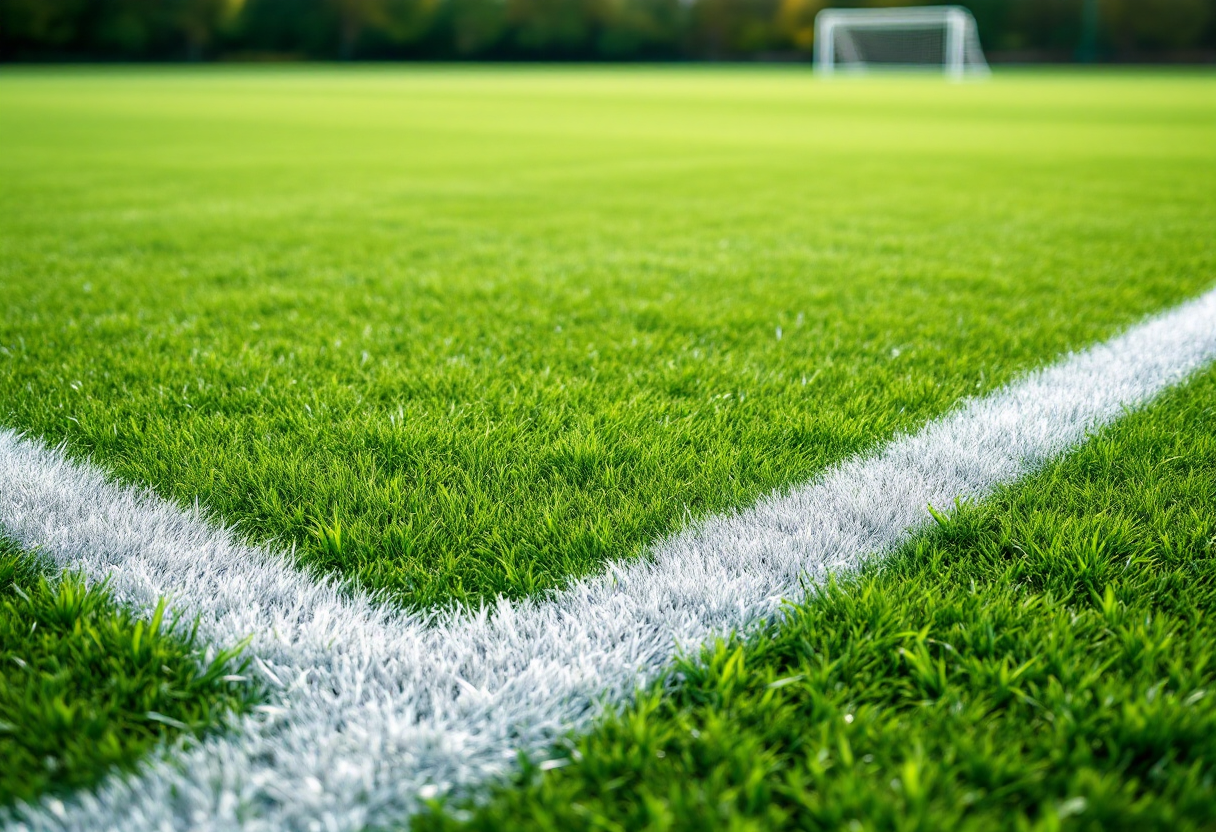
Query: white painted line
(373, 708)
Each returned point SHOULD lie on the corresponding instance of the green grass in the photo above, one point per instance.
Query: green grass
(463, 332)
(1045, 660)
(86, 687)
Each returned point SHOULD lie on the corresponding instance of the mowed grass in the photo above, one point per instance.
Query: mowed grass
(1044, 660)
(457, 333)
(86, 687)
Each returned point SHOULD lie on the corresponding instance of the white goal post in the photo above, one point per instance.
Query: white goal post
(944, 38)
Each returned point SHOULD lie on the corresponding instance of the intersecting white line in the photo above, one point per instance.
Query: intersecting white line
(372, 706)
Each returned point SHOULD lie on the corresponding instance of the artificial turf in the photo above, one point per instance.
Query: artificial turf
(463, 332)
(1044, 660)
(87, 688)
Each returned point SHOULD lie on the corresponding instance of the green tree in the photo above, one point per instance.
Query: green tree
(198, 21)
(1140, 26)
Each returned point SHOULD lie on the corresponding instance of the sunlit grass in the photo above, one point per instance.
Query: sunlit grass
(1043, 660)
(86, 687)
(468, 332)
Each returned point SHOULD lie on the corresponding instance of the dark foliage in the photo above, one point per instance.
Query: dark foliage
(564, 29)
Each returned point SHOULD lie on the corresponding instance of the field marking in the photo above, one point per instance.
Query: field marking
(373, 708)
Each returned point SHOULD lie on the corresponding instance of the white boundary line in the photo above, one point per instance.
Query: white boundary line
(373, 707)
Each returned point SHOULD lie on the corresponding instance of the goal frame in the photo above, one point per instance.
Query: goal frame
(961, 40)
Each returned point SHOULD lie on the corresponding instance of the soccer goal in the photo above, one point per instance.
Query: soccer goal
(942, 38)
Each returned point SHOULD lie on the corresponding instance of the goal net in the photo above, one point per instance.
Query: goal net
(942, 38)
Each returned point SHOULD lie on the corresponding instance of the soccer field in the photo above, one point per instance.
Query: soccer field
(438, 340)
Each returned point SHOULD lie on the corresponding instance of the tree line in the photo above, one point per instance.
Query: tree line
(615, 30)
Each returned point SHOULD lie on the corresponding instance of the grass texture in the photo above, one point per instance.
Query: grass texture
(1043, 660)
(457, 333)
(86, 687)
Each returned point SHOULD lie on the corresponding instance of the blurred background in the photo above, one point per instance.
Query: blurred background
(578, 30)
